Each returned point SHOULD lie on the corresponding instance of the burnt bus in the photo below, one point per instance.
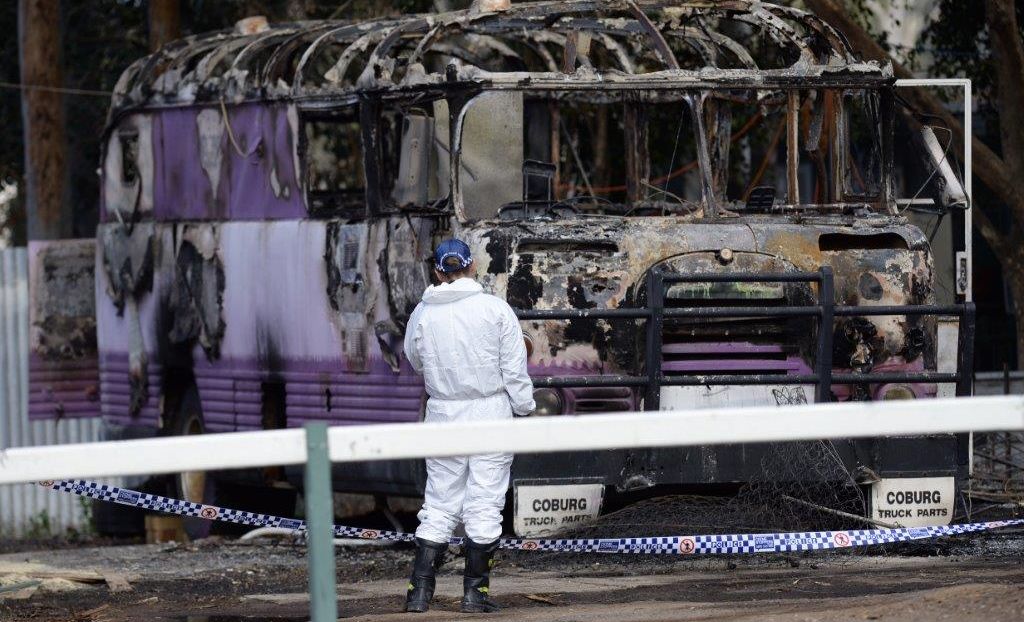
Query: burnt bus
(690, 204)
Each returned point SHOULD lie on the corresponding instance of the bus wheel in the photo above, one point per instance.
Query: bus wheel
(193, 486)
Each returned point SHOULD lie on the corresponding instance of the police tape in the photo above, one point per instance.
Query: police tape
(667, 545)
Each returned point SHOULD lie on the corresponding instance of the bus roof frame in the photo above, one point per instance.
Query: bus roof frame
(277, 62)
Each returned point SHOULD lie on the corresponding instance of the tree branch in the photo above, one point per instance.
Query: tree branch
(988, 230)
(1004, 34)
(989, 167)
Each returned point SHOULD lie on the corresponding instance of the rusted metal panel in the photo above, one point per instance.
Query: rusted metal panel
(317, 306)
(23, 507)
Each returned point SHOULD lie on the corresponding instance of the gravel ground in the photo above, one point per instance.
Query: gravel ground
(222, 580)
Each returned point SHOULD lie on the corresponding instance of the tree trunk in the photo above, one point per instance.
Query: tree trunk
(1013, 276)
(164, 22)
(1009, 249)
(48, 214)
(1008, 61)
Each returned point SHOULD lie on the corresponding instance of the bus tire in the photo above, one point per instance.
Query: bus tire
(193, 486)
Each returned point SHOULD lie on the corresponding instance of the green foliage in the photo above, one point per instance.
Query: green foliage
(85, 506)
(958, 42)
(39, 526)
(861, 11)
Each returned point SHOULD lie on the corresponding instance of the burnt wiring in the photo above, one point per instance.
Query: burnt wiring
(576, 156)
(748, 127)
(227, 125)
(683, 202)
(675, 147)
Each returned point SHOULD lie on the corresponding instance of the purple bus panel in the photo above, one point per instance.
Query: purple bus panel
(193, 166)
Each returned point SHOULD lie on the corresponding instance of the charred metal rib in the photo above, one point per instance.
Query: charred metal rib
(636, 39)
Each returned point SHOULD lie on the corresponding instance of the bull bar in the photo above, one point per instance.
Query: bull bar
(824, 309)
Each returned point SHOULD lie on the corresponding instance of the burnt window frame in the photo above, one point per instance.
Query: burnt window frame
(839, 197)
(349, 113)
(134, 129)
(637, 97)
(840, 201)
(373, 109)
(128, 136)
(875, 98)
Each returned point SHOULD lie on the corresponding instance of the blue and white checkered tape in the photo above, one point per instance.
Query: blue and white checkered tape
(666, 545)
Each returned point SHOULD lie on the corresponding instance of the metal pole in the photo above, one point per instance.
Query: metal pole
(965, 377)
(823, 358)
(965, 351)
(655, 325)
(969, 187)
(323, 596)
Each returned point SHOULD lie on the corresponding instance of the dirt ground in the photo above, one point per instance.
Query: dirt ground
(224, 581)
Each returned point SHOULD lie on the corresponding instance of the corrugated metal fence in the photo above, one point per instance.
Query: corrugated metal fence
(25, 509)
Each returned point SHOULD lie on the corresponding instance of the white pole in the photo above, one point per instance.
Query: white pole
(204, 452)
(969, 186)
(716, 426)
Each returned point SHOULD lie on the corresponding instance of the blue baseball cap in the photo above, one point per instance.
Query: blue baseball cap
(452, 248)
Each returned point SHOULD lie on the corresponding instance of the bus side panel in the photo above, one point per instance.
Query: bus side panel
(131, 368)
(205, 169)
(282, 329)
(63, 377)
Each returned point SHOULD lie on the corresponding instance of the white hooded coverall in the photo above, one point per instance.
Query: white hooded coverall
(469, 347)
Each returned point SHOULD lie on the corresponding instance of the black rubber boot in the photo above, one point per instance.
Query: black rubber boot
(477, 580)
(429, 557)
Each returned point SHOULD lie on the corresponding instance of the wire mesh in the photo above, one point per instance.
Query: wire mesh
(800, 487)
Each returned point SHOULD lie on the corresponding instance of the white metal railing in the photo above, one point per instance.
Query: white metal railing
(532, 435)
(318, 446)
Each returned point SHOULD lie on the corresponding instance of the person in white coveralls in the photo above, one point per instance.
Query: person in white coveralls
(469, 347)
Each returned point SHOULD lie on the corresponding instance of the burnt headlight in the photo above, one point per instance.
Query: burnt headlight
(549, 402)
(897, 392)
